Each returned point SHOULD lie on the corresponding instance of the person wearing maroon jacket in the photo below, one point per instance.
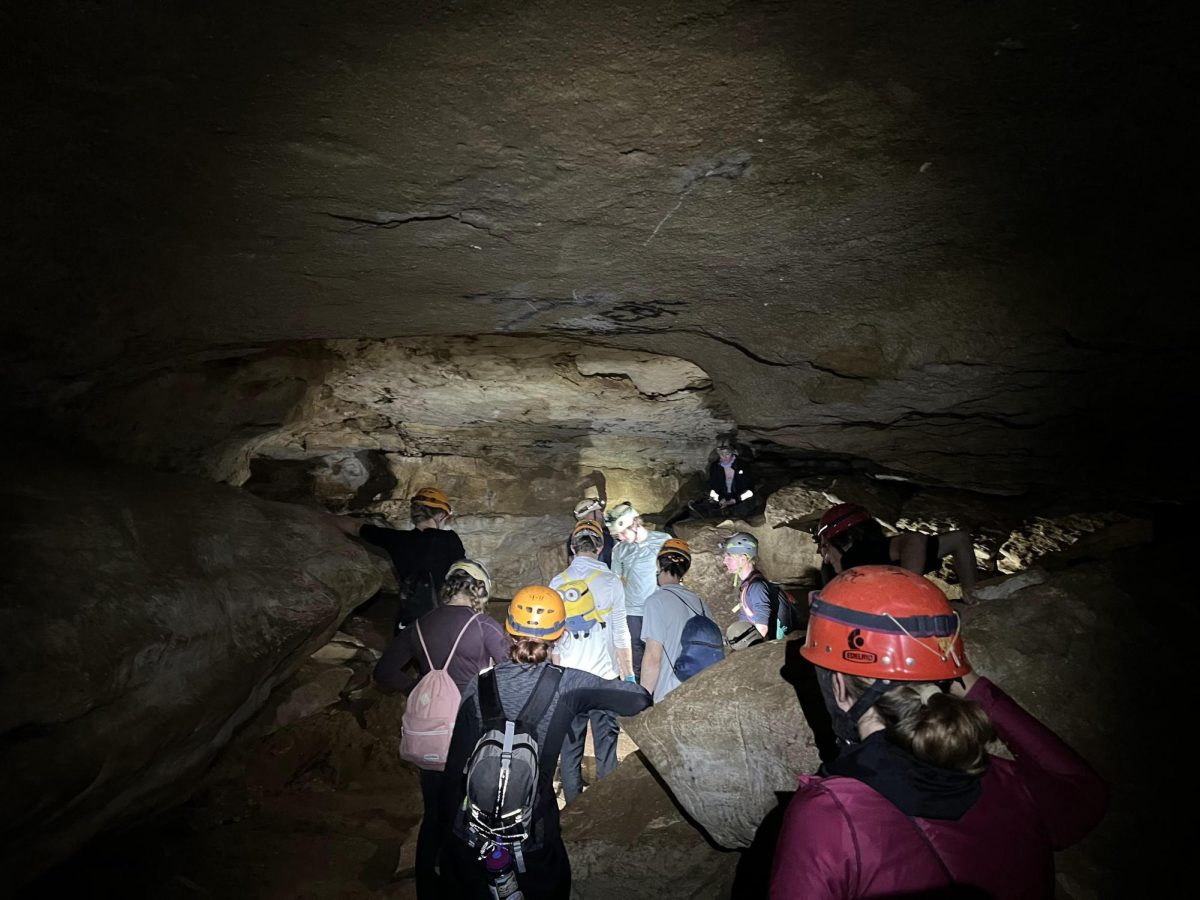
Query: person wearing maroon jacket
(917, 807)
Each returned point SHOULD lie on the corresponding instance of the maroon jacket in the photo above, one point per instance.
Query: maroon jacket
(841, 838)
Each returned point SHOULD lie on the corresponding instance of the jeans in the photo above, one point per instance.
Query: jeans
(604, 736)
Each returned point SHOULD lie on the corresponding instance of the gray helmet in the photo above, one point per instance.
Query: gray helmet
(621, 516)
(742, 634)
(740, 543)
(587, 505)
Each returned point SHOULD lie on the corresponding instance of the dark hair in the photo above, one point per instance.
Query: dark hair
(529, 651)
(943, 730)
(586, 542)
(674, 565)
(419, 513)
(459, 584)
(862, 533)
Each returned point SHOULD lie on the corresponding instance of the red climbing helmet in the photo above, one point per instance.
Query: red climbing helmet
(885, 622)
(840, 518)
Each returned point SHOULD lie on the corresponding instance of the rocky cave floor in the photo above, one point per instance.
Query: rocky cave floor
(312, 801)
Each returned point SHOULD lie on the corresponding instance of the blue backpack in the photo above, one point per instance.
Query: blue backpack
(700, 645)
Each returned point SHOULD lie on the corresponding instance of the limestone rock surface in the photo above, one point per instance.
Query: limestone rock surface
(147, 617)
(727, 740)
(627, 838)
(873, 227)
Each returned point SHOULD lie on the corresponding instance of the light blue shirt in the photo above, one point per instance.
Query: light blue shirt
(637, 566)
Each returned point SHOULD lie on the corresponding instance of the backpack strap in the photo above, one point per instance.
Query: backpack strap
(701, 614)
(446, 664)
(458, 639)
(755, 576)
(539, 701)
(681, 599)
(774, 598)
(490, 709)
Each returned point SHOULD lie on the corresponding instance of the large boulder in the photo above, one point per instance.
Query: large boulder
(146, 618)
(728, 740)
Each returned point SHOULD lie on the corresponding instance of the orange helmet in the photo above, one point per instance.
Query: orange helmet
(433, 498)
(587, 526)
(885, 622)
(840, 518)
(676, 547)
(536, 612)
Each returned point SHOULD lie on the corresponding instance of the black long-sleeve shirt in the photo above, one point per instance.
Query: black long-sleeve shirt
(417, 550)
(578, 692)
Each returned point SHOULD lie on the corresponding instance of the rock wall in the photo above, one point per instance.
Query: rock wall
(147, 617)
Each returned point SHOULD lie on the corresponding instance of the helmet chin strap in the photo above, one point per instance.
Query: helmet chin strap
(868, 699)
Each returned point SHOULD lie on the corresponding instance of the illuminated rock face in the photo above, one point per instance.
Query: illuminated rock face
(147, 617)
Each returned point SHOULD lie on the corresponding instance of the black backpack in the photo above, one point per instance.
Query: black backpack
(502, 774)
(700, 643)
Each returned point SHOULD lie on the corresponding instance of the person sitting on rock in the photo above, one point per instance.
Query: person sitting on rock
(591, 509)
(731, 491)
(634, 562)
(596, 640)
(848, 536)
(460, 631)
(667, 612)
(537, 619)
(917, 806)
(422, 556)
(730, 485)
(754, 608)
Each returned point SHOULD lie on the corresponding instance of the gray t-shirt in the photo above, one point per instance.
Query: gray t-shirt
(667, 611)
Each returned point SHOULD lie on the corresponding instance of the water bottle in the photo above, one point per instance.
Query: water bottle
(502, 875)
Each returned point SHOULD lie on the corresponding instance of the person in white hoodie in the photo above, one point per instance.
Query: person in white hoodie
(596, 640)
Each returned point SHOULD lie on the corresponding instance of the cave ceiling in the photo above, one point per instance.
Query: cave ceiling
(936, 236)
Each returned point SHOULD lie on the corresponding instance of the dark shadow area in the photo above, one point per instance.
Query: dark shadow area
(802, 676)
(753, 876)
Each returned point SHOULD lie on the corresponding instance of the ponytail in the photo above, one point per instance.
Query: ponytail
(938, 728)
(529, 651)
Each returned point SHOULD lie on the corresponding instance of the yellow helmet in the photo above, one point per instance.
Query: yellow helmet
(433, 498)
(536, 612)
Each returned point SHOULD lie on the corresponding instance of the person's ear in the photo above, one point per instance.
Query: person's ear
(841, 696)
